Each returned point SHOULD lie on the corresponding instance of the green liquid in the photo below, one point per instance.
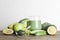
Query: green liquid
(35, 25)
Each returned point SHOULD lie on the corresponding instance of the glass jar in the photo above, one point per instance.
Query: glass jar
(35, 23)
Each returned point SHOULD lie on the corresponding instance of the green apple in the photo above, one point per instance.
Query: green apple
(18, 26)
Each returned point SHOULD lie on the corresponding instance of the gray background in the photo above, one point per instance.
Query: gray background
(11, 11)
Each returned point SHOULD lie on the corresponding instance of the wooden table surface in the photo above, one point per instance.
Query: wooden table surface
(13, 37)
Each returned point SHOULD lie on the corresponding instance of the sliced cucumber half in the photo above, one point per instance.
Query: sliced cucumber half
(51, 30)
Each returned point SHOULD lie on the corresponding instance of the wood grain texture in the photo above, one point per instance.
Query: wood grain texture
(13, 37)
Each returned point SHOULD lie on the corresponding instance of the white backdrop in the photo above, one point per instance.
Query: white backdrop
(12, 11)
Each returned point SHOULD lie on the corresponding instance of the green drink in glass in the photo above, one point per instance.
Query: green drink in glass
(35, 24)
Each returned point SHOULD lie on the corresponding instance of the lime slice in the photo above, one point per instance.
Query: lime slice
(7, 31)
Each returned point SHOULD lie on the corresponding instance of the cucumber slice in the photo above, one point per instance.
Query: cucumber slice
(51, 30)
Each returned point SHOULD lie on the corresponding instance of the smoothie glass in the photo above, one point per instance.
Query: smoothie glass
(35, 23)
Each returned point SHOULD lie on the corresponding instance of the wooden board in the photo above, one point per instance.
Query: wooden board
(13, 37)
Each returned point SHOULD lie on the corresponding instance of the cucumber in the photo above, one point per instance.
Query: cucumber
(45, 25)
(20, 33)
(49, 28)
(38, 32)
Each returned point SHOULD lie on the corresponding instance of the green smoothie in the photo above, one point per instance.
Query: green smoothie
(35, 25)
